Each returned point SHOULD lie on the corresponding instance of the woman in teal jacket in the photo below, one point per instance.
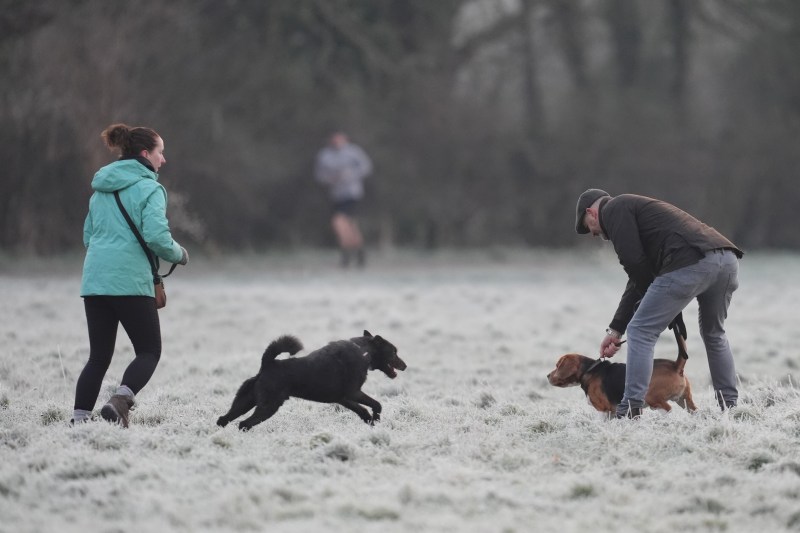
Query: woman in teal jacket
(117, 283)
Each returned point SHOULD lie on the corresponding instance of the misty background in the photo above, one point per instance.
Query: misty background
(484, 118)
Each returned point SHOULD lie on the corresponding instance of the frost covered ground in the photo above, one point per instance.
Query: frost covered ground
(473, 439)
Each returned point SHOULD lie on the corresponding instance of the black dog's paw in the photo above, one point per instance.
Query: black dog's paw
(222, 421)
(243, 427)
(376, 417)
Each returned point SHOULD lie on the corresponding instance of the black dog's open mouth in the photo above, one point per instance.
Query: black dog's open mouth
(391, 367)
(391, 371)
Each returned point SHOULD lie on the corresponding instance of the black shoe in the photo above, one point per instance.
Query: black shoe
(725, 404)
(633, 412)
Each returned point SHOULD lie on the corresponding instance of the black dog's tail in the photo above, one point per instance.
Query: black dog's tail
(286, 343)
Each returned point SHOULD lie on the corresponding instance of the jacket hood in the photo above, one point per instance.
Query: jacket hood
(121, 175)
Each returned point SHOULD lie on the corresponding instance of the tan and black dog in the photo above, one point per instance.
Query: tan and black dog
(604, 382)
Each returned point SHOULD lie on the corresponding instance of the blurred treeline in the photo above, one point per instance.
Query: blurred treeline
(485, 118)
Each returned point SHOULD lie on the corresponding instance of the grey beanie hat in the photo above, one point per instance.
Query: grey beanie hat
(585, 200)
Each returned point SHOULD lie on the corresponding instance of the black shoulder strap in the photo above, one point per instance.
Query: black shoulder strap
(153, 267)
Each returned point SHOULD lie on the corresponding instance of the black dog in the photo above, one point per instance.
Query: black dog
(333, 374)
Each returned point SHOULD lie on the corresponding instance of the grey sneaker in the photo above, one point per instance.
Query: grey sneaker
(117, 408)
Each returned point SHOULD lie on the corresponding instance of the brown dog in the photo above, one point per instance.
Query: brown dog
(604, 382)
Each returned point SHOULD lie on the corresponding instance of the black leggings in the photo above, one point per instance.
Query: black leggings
(139, 316)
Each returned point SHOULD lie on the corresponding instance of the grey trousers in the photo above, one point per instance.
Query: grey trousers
(712, 281)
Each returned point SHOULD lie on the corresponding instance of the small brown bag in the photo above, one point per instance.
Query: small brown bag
(161, 293)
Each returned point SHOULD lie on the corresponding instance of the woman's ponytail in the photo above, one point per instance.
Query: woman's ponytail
(129, 141)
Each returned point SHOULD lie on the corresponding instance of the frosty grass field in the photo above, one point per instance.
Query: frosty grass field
(472, 438)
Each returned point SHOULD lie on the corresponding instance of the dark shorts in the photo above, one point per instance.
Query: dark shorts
(345, 207)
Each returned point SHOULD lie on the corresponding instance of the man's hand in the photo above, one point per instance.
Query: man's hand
(610, 345)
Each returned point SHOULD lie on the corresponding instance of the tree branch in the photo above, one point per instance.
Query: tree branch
(374, 58)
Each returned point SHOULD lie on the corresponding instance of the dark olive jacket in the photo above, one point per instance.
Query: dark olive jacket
(651, 238)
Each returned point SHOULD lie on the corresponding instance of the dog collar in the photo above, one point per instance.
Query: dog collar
(586, 373)
(594, 365)
(600, 360)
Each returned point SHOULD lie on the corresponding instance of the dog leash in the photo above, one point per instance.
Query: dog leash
(602, 358)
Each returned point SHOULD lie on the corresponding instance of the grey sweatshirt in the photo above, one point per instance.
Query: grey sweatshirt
(343, 170)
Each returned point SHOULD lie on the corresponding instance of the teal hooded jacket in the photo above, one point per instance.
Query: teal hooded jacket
(115, 263)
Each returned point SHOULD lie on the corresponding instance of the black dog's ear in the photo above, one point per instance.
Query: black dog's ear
(367, 334)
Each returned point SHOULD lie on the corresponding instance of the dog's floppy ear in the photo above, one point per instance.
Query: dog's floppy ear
(367, 334)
